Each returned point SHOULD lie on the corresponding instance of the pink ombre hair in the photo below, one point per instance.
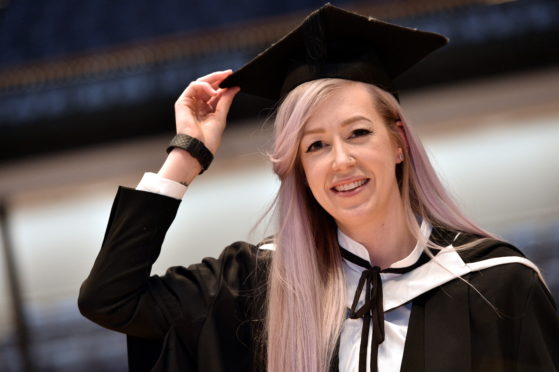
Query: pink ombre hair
(306, 290)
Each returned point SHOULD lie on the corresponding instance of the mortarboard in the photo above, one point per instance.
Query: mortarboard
(335, 43)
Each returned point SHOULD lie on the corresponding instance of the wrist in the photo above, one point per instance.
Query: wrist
(194, 147)
(154, 183)
(180, 166)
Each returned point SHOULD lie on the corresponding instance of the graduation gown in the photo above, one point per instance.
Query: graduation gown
(208, 316)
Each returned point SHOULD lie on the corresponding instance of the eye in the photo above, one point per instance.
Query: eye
(316, 145)
(360, 132)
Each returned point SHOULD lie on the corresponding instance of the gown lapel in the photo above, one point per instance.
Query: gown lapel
(447, 329)
(439, 333)
(413, 359)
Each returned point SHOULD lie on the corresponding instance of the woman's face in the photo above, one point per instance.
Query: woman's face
(349, 158)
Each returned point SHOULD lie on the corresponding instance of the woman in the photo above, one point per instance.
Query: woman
(372, 268)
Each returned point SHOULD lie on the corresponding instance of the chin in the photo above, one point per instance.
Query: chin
(357, 215)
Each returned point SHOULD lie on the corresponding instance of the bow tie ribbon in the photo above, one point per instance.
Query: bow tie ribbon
(372, 310)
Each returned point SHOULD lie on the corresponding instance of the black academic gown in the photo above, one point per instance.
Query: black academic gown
(208, 317)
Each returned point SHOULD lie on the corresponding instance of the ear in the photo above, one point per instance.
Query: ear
(402, 132)
(399, 155)
(403, 141)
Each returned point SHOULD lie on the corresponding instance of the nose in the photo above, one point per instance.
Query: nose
(341, 156)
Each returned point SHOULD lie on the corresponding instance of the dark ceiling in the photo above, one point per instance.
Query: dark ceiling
(77, 75)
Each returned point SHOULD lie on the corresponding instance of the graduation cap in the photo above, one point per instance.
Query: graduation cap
(335, 43)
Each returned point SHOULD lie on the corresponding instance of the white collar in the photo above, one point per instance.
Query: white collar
(360, 251)
(399, 289)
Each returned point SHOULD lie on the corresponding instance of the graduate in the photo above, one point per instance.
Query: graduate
(372, 267)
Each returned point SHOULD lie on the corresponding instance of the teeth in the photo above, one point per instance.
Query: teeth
(350, 186)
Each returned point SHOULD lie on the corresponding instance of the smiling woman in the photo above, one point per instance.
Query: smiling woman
(349, 158)
(372, 268)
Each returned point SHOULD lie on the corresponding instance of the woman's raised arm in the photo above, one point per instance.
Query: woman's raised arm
(119, 293)
(200, 112)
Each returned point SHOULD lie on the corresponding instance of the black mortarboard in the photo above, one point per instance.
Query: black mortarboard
(332, 42)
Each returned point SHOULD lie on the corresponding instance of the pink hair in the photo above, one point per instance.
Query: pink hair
(306, 290)
(422, 192)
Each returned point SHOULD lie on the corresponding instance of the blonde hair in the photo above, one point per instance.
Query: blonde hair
(305, 304)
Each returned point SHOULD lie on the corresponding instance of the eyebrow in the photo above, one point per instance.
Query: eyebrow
(344, 123)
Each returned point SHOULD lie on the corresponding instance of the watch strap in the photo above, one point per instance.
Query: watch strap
(194, 147)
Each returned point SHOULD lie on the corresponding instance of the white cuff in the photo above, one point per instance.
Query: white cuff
(152, 182)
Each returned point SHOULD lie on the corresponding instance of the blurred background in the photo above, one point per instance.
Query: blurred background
(86, 104)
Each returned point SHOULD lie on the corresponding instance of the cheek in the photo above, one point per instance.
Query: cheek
(309, 174)
(315, 177)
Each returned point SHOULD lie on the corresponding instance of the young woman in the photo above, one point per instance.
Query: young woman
(372, 267)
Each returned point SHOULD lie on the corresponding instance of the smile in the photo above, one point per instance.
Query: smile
(350, 186)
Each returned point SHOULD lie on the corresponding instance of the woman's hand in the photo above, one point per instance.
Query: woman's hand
(201, 112)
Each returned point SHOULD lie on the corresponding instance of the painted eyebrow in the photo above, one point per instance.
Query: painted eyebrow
(344, 123)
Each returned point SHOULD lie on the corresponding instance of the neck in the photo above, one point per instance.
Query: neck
(387, 239)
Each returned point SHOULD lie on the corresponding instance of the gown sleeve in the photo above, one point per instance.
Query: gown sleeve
(119, 293)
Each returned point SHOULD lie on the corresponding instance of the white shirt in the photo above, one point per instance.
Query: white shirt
(396, 320)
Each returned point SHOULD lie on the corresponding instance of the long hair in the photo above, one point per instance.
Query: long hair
(305, 304)
(423, 195)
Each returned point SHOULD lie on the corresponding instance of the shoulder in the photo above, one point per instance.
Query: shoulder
(503, 272)
(484, 248)
(243, 259)
(240, 264)
(498, 266)
(495, 259)
(472, 247)
(513, 290)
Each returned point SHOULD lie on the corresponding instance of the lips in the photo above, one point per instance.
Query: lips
(345, 187)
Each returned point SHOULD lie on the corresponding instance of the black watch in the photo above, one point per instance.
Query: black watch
(194, 147)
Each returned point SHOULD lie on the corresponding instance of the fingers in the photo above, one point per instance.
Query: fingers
(215, 78)
(203, 97)
(224, 103)
(205, 87)
(199, 90)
